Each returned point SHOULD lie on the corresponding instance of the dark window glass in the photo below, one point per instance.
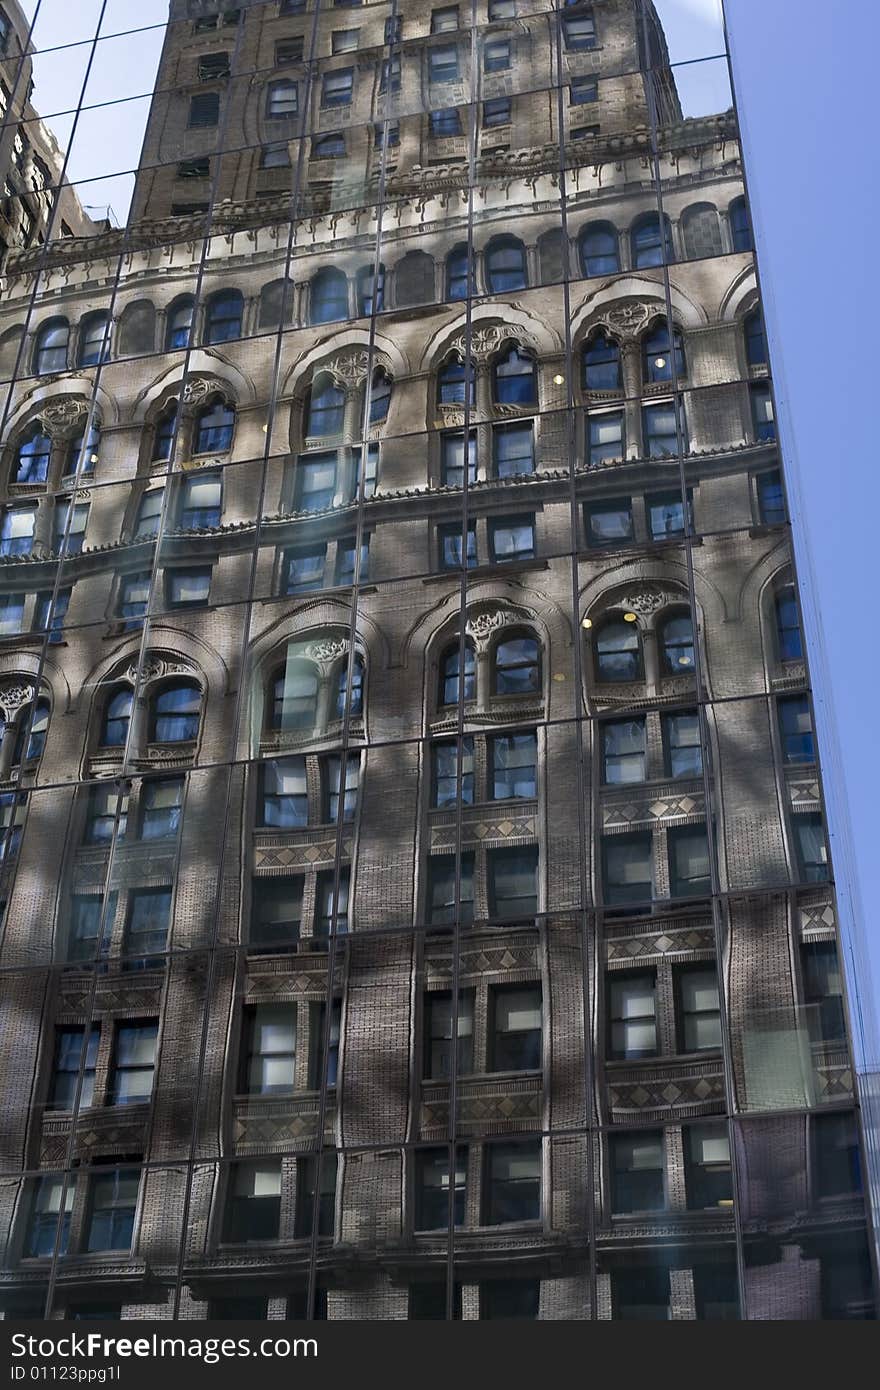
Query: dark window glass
(627, 868)
(223, 317)
(637, 1172)
(632, 1016)
(331, 906)
(641, 1295)
(101, 814)
(204, 109)
(146, 935)
(515, 1041)
(51, 612)
(268, 1053)
(811, 848)
(600, 249)
(517, 666)
(688, 861)
(605, 437)
(253, 1203)
(50, 352)
(441, 890)
(451, 546)
(455, 385)
(579, 32)
(708, 1180)
(315, 481)
(624, 751)
(513, 882)
(134, 1063)
(284, 794)
(771, 498)
(512, 1183)
(112, 1204)
(836, 1155)
(329, 297)
(94, 340)
(677, 645)
(602, 364)
(161, 808)
(609, 522)
(282, 100)
(514, 765)
(763, 418)
(117, 714)
(740, 226)
(756, 342)
(445, 122)
(699, 1009)
(505, 261)
(303, 570)
(796, 729)
(200, 502)
(509, 1298)
(432, 1188)
(618, 652)
(459, 276)
(32, 458)
(276, 912)
(496, 55)
(438, 1034)
(452, 457)
(662, 360)
(294, 697)
(651, 243)
(427, 1301)
(681, 736)
(316, 1185)
(336, 89)
(514, 379)
(188, 588)
(496, 112)
(583, 90)
(788, 626)
(513, 449)
(823, 991)
(48, 1223)
(443, 63)
(69, 1045)
(446, 781)
(451, 669)
(174, 715)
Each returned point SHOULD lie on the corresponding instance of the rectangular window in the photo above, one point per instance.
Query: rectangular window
(502, 9)
(681, 741)
(284, 793)
(627, 872)
(328, 146)
(85, 926)
(512, 1190)
(337, 795)
(12, 814)
(609, 522)
(583, 90)
(511, 539)
(432, 1208)
(17, 530)
(513, 882)
(796, 729)
(149, 514)
(637, 1172)
(276, 156)
(441, 890)
(50, 614)
(69, 1045)
(212, 66)
(823, 991)
(276, 912)
(763, 420)
(282, 100)
(443, 63)
(515, 1039)
(330, 909)
(370, 471)
(268, 1049)
(496, 112)
(450, 537)
(667, 517)
(771, 498)
(200, 502)
(346, 556)
(101, 815)
(315, 481)
(624, 751)
(688, 861)
(641, 1295)
(659, 437)
(606, 439)
(344, 40)
(337, 87)
(708, 1180)
(452, 457)
(289, 51)
(47, 1223)
(303, 570)
(389, 80)
(812, 849)
(442, 21)
(113, 1199)
(446, 122)
(161, 807)
(253, 1205)
(699, 1009)
(11, 614)
(445, 780)
(579, 32)
(188, 588)
(632, 1016)
(134, 1062)
(837, 1159)
(513, 449)
(386, 135)
(312, 1173)
(149, 912)
(438, 1034)
(204, 109)
(70, 523)
(318, 1021)
(514, 765)
(496, 55)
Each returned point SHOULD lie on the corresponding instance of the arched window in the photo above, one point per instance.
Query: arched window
(658, 355)
(276, 304)
(740, 226)
(516, 669)
(619, 652)
(505, 265)
(163, 440)
(31, 737)
(174, 713)
(325, 415)
(551, 256)
(651, 245)
(380, 397)
(32, 456)
(294, 697)
(117, 716)
(455, 386)
(414, 280)
(789, 640)
(371, 291)
(137, 329)
(756, 341)
(357, 688)
(223, 316)
(94, 340)
(179, 324)
(328, 297)
(82, 452)
(701, 232)
(450, 670)
(600, 249)
(459, 277)
(214, 425)
(677, 645)
(602, 364)
(50, 349)
(514, 378)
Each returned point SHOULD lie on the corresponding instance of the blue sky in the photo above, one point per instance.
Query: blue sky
(804, 73)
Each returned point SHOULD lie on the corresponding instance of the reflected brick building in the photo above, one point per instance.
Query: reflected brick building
(416, 894)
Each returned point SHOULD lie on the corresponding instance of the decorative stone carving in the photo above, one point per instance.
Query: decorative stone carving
(327, 650)
(195, 390)
(61, 419)
(629, 320)
(646, 600)
(156, 666)
(485, 342)
(14, 697)
(481, 626)
(349, 369)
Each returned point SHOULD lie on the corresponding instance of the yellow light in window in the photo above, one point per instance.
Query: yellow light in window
(630, 618)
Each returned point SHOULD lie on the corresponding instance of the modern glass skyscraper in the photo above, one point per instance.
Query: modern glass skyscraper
(416, 896)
